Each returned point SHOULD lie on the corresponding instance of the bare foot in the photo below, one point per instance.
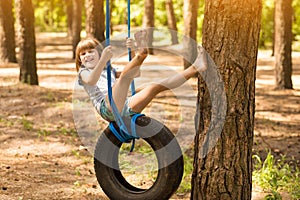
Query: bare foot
(141, 41)
(201, 61)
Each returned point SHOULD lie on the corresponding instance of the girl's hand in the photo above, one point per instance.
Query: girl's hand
(129, 43)
(107, 54)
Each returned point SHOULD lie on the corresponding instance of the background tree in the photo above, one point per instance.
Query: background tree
(76, 23)
(171, 21)
(283, 44)
(95, 19)
(148, 22)
(112, 7)
(190, 12)
(7, 32)
(69, 13)
(230, 35)
(26, 41)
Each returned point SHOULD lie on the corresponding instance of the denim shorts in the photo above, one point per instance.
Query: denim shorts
(107, 114)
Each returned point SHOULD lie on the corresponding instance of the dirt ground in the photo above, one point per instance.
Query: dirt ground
(42, 157)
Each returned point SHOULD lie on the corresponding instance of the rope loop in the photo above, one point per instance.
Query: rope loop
(123, 135)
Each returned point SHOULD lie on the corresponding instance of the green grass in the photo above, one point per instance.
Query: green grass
(5, 122)
(68, 131)
(141, 147)
(28, 125)
(276, 176)
(43, 133)
(185, 185)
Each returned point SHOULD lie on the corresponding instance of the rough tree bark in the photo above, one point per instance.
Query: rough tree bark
(283, 44)
(148, 22)
(172, 21)
(69, 12)
(223, 164)
(95, 19)
(7, 33)
(190, 9)
(76, 24)
(26, 41)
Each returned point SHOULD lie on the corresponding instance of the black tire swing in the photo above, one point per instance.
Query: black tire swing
(168, 154)
(158, 136)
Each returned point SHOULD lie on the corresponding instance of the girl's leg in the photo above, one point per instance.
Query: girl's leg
(141, 99)
(131, 70)
(121, 87)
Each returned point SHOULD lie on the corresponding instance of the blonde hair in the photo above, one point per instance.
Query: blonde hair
(86, 44)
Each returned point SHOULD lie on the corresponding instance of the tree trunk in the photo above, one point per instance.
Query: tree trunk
(112, 6)
(69, 11)
(76, 24)
(95, 19)
(7, 33)
(190, 8)
(283, 44)
(273, 35)
(148, 22)
(224, 128)
(26, 41)
(172, 21)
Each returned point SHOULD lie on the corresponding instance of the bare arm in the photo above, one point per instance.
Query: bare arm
(92, 77)
(130, 45)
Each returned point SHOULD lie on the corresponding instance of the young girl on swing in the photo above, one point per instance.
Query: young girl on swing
(91, 60)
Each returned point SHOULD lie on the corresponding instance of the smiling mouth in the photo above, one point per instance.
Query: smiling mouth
(89, 60)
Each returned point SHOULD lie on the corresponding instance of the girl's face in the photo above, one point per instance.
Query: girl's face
(89, 58)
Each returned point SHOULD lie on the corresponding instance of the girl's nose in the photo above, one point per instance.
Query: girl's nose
(84, 57)
(87, 56)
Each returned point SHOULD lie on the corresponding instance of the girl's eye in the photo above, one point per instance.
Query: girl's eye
(82, 54)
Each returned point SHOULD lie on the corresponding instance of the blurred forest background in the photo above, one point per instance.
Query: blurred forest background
(50, 16)
(78, 18)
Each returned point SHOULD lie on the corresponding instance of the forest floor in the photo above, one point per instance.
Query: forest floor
(42, 157)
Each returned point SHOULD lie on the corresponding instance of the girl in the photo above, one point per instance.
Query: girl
(91, 60)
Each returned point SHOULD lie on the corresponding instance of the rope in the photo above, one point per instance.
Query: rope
(123, 134)
(129, 51)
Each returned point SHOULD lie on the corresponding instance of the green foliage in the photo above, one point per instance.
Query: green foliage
(119, 12)
(276, 176)
(296, 19)
(50, 15)
(267, 24)
(200, 20)
(273, 196)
